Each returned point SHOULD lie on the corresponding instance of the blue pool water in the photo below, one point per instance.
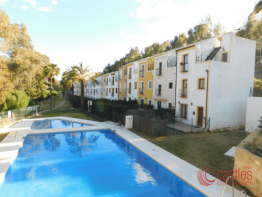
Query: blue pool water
(91, 163)
(55, 124)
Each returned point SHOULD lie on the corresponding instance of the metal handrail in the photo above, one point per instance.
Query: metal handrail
(216, 45)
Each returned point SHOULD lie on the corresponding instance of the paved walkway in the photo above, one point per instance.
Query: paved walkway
(53, 107)
(186, 128)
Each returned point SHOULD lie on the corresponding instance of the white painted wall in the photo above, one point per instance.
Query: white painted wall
(230, 83)
(134, 78)
(168, 75)
(253, 114)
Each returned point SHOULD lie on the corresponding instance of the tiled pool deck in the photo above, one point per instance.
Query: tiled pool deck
(10, 146)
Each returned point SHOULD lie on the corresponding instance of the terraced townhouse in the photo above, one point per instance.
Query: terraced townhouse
(206, 83)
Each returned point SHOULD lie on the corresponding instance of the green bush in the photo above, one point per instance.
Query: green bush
(31, 103)
(16, 99)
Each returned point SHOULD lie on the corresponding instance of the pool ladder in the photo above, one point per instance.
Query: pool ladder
(243, 191)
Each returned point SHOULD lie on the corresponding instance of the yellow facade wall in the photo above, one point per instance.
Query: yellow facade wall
(148, 76)
(122, 81)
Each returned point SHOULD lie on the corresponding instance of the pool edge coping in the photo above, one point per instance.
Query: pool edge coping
(20, 133)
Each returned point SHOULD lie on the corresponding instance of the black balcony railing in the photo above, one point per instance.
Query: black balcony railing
(158, 92)
(184, 68)
(141, 91)
(183, 92)
(159, 71)
(142, 73)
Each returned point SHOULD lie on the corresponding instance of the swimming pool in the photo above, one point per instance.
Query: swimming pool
(88, 163)
(55, 124)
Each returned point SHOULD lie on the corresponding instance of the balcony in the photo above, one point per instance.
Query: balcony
(141, 91)
(184, 68)
(142, 73)
(183, 93)
(129, 90)
(158, 92)
(159, 71)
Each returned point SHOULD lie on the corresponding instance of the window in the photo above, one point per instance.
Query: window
(149, 102)
(129, 88)
(170, 85)
(120, 74)
(124, 85)
(183, 111)
(224, 57)
(142, 88)
(150, 85)
(186, 63)
(159, 70)
(201, 83)
(135, 85)
(142, 72)
(109, 90)
(184, 88)
(116, 90)
(130, 73)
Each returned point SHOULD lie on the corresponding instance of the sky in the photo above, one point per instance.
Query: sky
(100, 31)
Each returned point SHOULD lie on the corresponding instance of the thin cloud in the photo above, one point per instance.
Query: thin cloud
(132, 14)
(2, 2)
(24, 7)
(122, 33)
(32, 2)
(54, 2)
(45, 9)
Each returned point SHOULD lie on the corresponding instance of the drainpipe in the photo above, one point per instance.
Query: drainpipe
(206, 98)
(175, 84)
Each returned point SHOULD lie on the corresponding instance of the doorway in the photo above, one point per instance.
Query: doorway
(200, 115)
(158, 104)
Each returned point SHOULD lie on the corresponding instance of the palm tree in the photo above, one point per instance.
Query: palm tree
(69, 78)
(81, 74)
(50, 71)
(258, 7)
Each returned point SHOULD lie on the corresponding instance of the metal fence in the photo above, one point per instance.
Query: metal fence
(154, 128)
(11, 116)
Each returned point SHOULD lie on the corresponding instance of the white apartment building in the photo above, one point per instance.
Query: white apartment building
(111, 86)
(132, 80)
(164, 80)
(214, 79)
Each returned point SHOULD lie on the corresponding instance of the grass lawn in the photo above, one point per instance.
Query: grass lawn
(201, 149)
(2, 136)
(46, 105)
(72, 113)
(252, 147)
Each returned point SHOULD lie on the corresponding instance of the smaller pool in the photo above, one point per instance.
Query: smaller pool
(55, 124)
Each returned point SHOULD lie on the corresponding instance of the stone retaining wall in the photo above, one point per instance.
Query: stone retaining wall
(246, 161)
